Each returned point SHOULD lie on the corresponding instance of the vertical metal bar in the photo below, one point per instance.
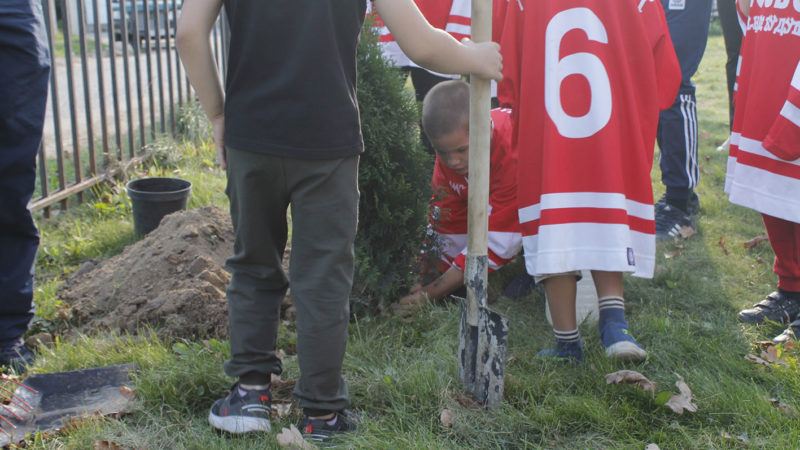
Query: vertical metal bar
(50, 23)
(76, 149)
(146, 4)
(177, 57)
(98, 52)
(112, 57)
(159, 76)
(137, 40)
(123, 14)
(87, 100)
(169, 29)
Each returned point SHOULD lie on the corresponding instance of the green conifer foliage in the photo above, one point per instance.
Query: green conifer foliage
(394, 177)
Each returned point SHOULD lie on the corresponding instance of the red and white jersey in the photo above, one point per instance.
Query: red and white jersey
(764, 161)
(449, 202)
(453, 16)
(587, 79)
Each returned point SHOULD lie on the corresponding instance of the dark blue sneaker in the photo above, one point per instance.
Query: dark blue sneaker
(241, 414)
(619, 343)
(16, 358)
(321, 432)
(567, 351)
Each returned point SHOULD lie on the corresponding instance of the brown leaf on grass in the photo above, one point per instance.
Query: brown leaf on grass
(770, 353)
(291, 438)
(683, 401)
(788, 410)
(447, 418)
(686, 232)
(631, 377)
(721, 245)
(742, 438)
(465, 401)
(106, 445)
(756, 240)
(127, 392)
(281, 409)
(756, 359)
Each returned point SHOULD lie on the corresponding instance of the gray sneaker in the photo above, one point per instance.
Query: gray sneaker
(241, 414)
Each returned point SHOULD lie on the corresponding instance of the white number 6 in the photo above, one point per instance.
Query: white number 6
(586, 64)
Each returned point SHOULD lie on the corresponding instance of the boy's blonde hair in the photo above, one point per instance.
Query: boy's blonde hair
(446, 109)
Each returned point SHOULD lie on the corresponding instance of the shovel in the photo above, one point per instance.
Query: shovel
(483, 334)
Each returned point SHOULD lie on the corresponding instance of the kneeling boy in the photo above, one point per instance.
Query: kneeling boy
(445, 119)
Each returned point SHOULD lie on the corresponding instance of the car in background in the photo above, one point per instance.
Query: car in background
(161, 14)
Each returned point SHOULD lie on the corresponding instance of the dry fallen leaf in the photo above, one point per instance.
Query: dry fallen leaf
(127, 392)
(756, 240)
(631, 377)
(291, 437)
(756, 359)
(686, 232)
(788, 410)
(683, 401)
(105, 445)
(446, 418)
(282, 409)
(721, 244)
(465, 401)
(742, 438)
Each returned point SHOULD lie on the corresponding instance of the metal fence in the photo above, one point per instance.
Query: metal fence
(116, 85)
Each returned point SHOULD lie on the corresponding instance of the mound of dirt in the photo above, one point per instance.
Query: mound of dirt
(173, 280)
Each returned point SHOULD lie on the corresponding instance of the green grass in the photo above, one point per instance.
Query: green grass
(402, 375)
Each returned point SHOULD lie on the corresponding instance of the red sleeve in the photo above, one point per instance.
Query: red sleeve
(668, 69)
(510, 38)
(783, 138)
(451, 217)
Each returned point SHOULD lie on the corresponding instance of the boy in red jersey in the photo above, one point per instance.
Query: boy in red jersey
(587, 79)
(764, 162)
(445, 118)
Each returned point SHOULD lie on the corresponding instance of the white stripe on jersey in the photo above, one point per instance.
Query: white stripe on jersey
(791, 113)
(755, 147)
(796, 78)
(605, 200)
(458, 28)
(592, 246)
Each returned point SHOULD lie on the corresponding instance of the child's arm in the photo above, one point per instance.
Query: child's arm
(435, 49)
(438, 289)
(744, 6)
(192, 39)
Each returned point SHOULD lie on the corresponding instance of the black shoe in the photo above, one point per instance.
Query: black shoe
(692, 206)
(16, 358)
(670, 220)
(776, 307)
(790, 334)
(319, 432)
(238, 414)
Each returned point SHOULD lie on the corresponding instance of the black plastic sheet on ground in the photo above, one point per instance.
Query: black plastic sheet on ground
(55, 398)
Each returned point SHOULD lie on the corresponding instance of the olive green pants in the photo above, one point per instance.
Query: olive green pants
(323, 195)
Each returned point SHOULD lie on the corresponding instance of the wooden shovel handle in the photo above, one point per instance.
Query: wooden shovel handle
(476, 275)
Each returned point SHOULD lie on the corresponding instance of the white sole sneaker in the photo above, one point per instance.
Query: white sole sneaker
(238, 424)
(626, 351)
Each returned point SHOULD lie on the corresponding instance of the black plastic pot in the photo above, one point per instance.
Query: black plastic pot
(154, 198)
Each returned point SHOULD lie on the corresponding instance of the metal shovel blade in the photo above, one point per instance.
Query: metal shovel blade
(482, 355)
